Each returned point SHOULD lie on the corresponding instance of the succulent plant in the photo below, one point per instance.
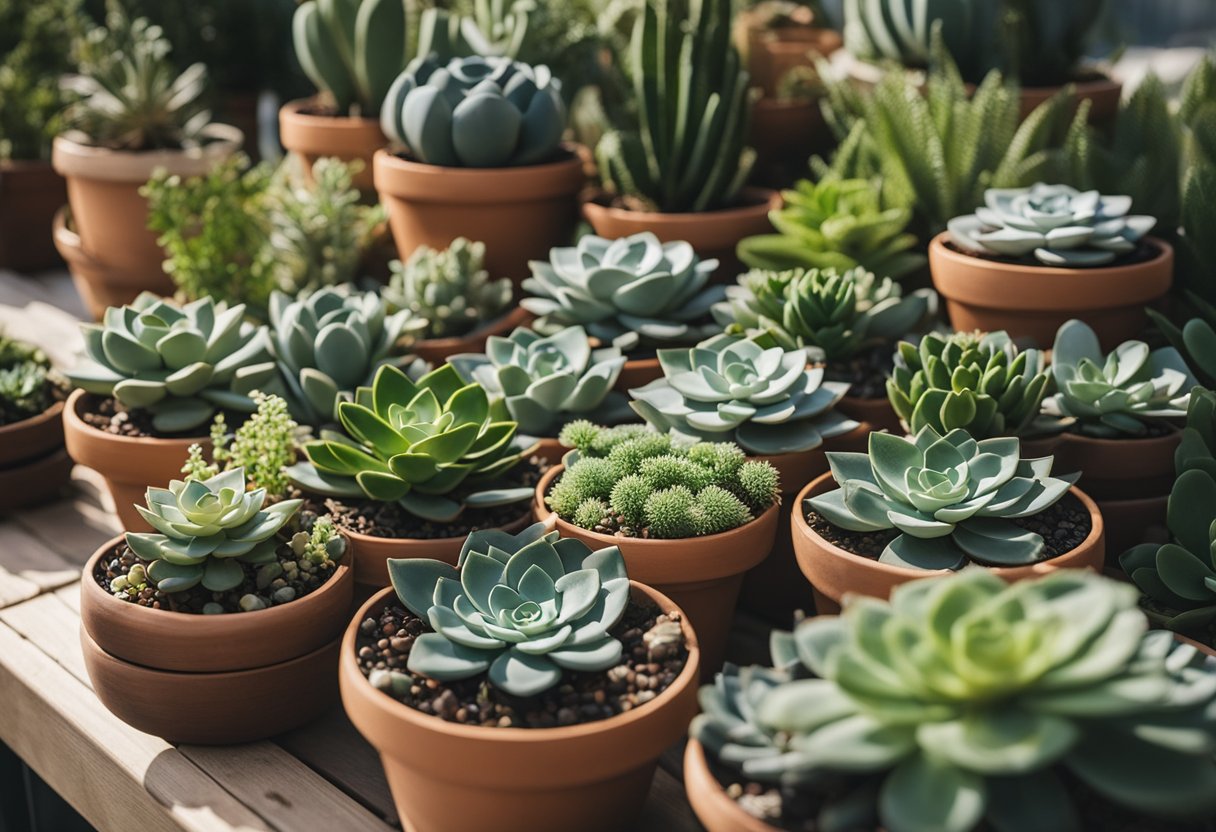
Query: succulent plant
(351, 49)
(836, 224)
(449, 289)
(1195, 340)
(1197, 449)
(1118, 394)
(179, 363)
(976, 381)
(427, 445)
(27, 381)
(475, 112)
(496, 28)
(729, 388)
(627, 292)
(36, 42)
(205, 530)
(835, 315)
(522, 609)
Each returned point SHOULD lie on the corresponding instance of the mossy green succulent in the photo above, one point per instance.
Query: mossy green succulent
(449, 289)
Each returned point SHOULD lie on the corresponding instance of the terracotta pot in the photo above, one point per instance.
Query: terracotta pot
(1033, 301)
(833, 572)
(772, 53)
(1206, 649)
(784, 134)
(452, 778)
(30, 194)
(716, 811)
(711, 233)
(550, 450)
(1103, 95)
(213, 679)
(877, 413)
(313, 136)
(519, 213)
(32, 438)
(438, 350)
(98, 285)
(702, 575)
(637, 372)
(129, 464)
(34, 467)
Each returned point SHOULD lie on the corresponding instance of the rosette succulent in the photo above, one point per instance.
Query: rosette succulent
(732, 389)
(975, 381)
(951, 498)
(1059, 225)
(522, 609)
(434, 446)
(475, 112)
(548, 381)
(179, 363)
(627, 292)
(450, 289)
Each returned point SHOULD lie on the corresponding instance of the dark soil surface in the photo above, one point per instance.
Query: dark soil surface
(648, 667)
(866, 372)
(1144, 252)
(106, 414)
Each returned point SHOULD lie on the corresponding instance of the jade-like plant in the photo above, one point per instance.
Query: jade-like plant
(951, 498)
(548, 381)
(352, 50)
(627, 292)
(731, 389)
(179, 363)
(475, 112)
(979, 382)
(1197, 448)
(450, 289)
(27, 382)
(435, 446)
(1122, 393)
(522, 609)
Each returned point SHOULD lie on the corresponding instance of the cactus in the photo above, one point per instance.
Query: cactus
(352, 50)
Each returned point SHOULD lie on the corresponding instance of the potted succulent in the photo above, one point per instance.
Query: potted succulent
(535, 656)
(1034, 257)
(132, 114)
(352, 51)
(207, 629)
(847, 321)
(904, 716)
(689, 520)
(635, 293)
(154, 375)
(917, 505)
(415, 467)
(482, 157)
(33, 463)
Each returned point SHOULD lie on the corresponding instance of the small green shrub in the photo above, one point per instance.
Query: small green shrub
(27, 383)
(264, 446)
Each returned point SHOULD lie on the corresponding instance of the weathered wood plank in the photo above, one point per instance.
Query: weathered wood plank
(74, 527)
(14, 589)
(24, 555)
(54, 627)
(667, 808)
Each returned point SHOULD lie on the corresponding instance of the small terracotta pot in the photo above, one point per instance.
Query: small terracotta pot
(877, 413)
(711, 233)
(32, 438)
(129, 464)
(99, 285)
(1103, 95)
(213, 679)
(34, 466)
(1033, 301)
(450, 777)
(438, 350)
(550, 450)
(519, 213)
(772, 53)
(716, 811)
(637, 372)
(784, 134)
(834, 572)
(312, 136)
(30, 194)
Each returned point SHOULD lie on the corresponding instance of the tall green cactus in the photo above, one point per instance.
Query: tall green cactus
(352, 49)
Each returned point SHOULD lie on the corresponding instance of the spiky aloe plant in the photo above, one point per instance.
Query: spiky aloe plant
(352, 50)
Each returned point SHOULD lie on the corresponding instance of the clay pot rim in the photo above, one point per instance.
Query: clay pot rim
(759, 202)
(71, 157)
(357, 685)
(294, 110)
(73, 422)
(1098, 444)
(420, 182)
(696, 767)
(9, 431)
(510, 319)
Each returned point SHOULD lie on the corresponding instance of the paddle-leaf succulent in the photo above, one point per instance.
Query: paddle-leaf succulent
(351, 49)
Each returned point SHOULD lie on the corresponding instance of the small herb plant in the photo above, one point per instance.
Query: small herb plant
(35, 51)
(449, 289)
(263, 446)
(28, 385)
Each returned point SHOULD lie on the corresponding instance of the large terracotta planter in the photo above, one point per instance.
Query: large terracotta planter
(30, 194)
(448, 777)
(519, 213)
(213, 679)
(716, 811)
(129, 464)
(312, 136)
(99, 286)
(438, 350)
(1033, 301)
(833, 572)
(34, 466)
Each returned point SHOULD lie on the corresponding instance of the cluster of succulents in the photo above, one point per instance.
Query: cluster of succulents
(636, 482)
(627, 292)
(450, 289)
(27, 382)
(352, 50)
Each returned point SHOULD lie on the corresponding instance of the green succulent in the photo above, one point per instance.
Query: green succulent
(730, 388)
(628, 292)
(449, 289)
(1118, 394)
(1195, 340)
(179, 363)
(435, 446)
(27, 382)
(834, 315)
(976, 381)
(522, 609)
(1197, 448)
(351, 49)
(496, 28)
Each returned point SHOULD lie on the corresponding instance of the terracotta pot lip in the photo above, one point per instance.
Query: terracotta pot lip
(696, 764)
(55, 411)
(75, 158)
(785, 105)
(520, 736)
(391, 163)
(294, 110)
(1165, 253)
(759, 202)
(508, 320)
(73, 422)
(1102, 445)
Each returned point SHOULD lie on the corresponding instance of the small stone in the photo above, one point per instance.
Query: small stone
(284, 594)
(268, 573)
(212, 608)
(250, 602)
(401, 644)
(380, 680)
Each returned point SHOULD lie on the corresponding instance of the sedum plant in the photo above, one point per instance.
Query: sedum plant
(179, 363)
(729, 388)
(974, 381)
(951, 498)
(27, 382)
(264, 446)
(450, 289)
(351, 49)
(475, 112)
(630, 292)
(522, 609)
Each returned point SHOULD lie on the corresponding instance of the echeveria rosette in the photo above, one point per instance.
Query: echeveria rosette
(630, 292)
(205, 530)
(951, 497)
(521, 609)
(548, 381)
(1057, 224)
(730, 389)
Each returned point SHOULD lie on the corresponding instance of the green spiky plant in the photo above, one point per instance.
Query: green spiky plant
(352, 50)
(448, 289)
(28, 384)
(494, 28)
(35, 44)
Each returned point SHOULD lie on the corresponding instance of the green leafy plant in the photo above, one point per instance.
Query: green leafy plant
(27, 382)
(449, 289)
(1197, 449)
(263, 446)
(35, 44)
(352, 50)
